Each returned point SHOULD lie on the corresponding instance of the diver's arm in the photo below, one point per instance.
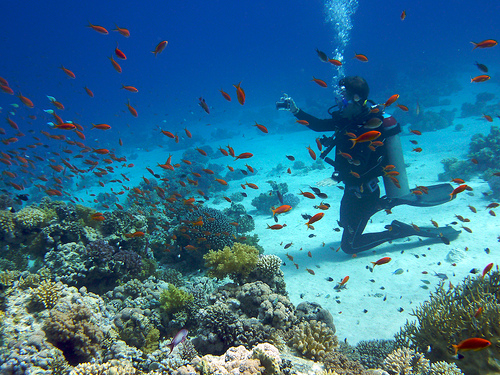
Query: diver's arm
(316, 124)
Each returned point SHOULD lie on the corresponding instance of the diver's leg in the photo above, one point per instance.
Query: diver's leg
(355, 211)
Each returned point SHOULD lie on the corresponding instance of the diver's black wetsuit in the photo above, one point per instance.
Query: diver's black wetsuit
(359, 170)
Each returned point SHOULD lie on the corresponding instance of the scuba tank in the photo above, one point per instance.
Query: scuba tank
(395, 157)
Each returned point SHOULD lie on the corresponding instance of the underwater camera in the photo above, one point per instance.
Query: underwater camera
(284, 103)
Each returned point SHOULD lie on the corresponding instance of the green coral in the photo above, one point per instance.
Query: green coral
(449, 318)
(173, 299)
(237, 261)
(152, 341)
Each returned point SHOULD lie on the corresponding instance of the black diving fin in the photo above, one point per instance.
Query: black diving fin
(435, 195)
(401, 230)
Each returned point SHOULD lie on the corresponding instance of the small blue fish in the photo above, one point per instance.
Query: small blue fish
(399, 271)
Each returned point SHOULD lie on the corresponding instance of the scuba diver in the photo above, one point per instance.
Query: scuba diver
(368, 147)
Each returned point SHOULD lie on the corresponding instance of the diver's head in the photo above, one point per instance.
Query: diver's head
(354, 91)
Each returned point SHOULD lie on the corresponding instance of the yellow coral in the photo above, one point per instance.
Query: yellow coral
(47, 293)
(30, 218)
(241, 259)
(115, 366)
(6, 225)
(314, 339)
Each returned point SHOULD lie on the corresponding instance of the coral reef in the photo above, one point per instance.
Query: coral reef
(47, 293)
(238, 214)
(236, 262)
(174, 299)
(338, 363)
(313, 339)
(264, 201)
(264, 359)
(73, 332)
(406, 361)
(478, 108)
(116, 367)
(448, 318)
(373, 352)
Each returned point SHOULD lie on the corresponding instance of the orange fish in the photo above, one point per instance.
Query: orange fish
(68, 72)
(281, 209)
(458, 189)
(201, 151)
(485, 44)
(119, 53)
(311, 152)
(28, 103)
(365, 137)
(89, 92)
(244, 155)
(225, 95)
(488, 118)
(100, 126)
(480, 78)
(99, 29)
(342, 283)
(381, 261)
(417, 149)
(6, 89)
(130, 88)
(416, 132)
(320, 82)
(12, 123)
(188, 133)
(262, 128)
(474, 343)
(487, 269)
(240, 94)
(65, 126)
(403, 107)
(314, 219)
(391, 100)
(168, 134)
(117, 66)
(122, 31)
(360, 57)
(335, 62)
(160, 47)
(131, 109)
(307, 194)
(403, 15)
(276, 227)
(302, 122)
(221, 181)
(310, 271)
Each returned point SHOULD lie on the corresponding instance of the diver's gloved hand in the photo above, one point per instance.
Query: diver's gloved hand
(287, 104)
(292, 106)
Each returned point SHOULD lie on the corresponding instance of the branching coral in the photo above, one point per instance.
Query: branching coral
(174, 299)
(47, 293)
(449, 317)
(237, 261)
(313, 339)
(406, 362)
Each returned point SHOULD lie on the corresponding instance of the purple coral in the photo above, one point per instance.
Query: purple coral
(131, 261)
(100, 250)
